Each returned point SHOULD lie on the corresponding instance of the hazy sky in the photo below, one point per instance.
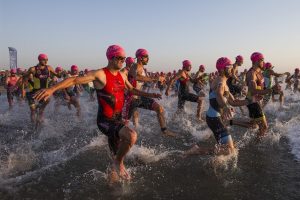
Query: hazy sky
(79, 32)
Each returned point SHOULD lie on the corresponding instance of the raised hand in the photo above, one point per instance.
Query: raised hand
(43, 94)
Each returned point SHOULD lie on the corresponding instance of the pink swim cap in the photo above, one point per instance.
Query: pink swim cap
(186, 63)
(114, 51)
(74, 68)
(268, 65)
(58, 69)
(13, 71)
(222, 63)
(202, 67)
(256, 56)
(129, 60)
(141, 52)
(42, 56)
(239, 58)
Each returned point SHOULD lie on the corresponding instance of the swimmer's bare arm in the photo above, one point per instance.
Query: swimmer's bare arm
(139, 92)
(252, 86)
(52, 71)
(142, 78)
(235, 75)
(220, 95)
(221, 101)
(276, 74)
(289, 78)
(124, 71)
(178, 76)
(6, 81)
(20, 83)
(92, 76)
(237, 102)
(211, 78)
(201, 81)
(236, 78)
(25, 77)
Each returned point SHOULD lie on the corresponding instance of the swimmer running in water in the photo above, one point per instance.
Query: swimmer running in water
(110, 84)
(183, 92)
(41, 78)
(220, 111)
(137, 77)
(269, 82)
(200, 84)
(12, 87)
(255, 83)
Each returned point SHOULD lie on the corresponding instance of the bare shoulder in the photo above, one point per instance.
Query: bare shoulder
(221, 83)
(124, 74)
(99, 75)
(123, 70)
(180, 72)
(97, 71)
(31, 69)
(49, 66)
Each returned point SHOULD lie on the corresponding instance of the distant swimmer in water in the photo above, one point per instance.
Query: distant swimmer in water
(12, 87)
(61, 97)
(199, 86)
(89, 88)
(184, 93)
(41, 78)
(162, 82)
(220, 111)
(137, 77)
(270, 83)
(129, 62)
(74, 91)
(294, 80)
(234, 83)
(110, 84)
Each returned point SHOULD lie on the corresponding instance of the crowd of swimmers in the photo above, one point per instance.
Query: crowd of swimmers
(120, 91)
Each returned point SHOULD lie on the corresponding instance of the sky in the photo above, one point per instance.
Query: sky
(79, 32)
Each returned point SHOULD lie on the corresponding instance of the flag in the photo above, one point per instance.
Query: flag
(12, 57)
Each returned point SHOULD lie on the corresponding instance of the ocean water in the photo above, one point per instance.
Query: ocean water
(69, 157)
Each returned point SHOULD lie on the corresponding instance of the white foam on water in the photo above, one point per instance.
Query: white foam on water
(286, 124)
(22, 159)
(99, 141)
(146, 154)
(96, 174)
(293, 130)
(224, 163)
(201, 135)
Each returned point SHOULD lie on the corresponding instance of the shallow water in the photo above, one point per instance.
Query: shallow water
(69, 158)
